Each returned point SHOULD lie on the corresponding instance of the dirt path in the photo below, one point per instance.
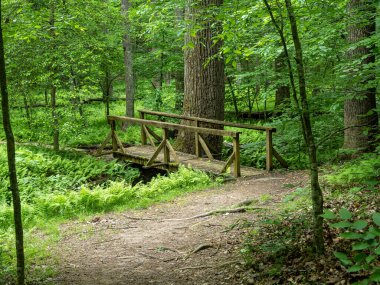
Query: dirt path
(159, 245)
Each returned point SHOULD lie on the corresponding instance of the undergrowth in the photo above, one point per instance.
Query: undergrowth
(279, 248)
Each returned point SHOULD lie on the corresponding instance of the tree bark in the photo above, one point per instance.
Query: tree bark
(204, 73)
(179, 73)
(316, 192)
(360, 118)
(53, 88)
(128, 62)
(283, 90)
(55, 118)
(12, 164)
(234, 99)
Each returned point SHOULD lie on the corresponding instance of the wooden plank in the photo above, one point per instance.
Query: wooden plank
(141, 154)
(174, 126)
(269, 150)
(228, 163)
(104, 143)
(154, 165)
(204, 120)
(119, 143)
(237, 170)
(143, 134)
(156, 153)
(113, 130)
(148, 135)
(205, 148)
(153, 134)
(166, 149)
(103, 153)
(171, 149)
(197, 143)
(280, 159)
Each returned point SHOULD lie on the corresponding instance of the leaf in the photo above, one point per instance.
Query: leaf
(360, 246)
(377, 250)
(342, 258)
(341, 225)
(370, 258)
(375, 276)
(354, 268)
(329, 215)
(345, 214)
(360, 257)
(359, 225)
(376, 218)
(375, 232)
(351, 235)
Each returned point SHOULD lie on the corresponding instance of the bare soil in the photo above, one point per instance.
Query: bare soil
(165, 244)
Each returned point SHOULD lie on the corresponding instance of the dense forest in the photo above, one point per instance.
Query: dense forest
(309, 69)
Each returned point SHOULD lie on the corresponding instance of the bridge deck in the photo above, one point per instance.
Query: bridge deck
(140, 154)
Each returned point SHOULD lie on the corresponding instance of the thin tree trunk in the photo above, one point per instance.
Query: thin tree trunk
(27, 110)
(179, 73)
(55, 118)
(283, 90)
(46, 98)
(53, 88)
(179, 88)
(233, 97)
(128, 62)
(249, 100)
(12, 164)
(316, 192)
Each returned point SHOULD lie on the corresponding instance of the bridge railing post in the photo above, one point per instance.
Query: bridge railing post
(166, 149)
(197, 143)
(143, 134)
(269, 150)
(113, 135)
(236, 146)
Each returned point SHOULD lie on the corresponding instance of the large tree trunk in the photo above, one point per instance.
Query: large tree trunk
(12, 165)
(360, 123)
(128, 63)
(204, 73)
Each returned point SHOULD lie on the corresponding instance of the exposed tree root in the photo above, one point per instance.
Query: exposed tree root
(211, 213)
(198, 249)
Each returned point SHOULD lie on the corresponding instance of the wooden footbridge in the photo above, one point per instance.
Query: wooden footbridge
(156, 151)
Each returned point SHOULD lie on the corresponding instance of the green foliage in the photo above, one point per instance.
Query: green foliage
(365, 244)
(42, 171)
(365, 170)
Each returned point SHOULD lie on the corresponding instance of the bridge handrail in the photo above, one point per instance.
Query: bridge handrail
(205, 120)
(174, 126)
(270, 151)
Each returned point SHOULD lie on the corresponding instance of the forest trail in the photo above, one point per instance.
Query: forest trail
(165, 244)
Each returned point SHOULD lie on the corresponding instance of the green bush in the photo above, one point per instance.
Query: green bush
(364, 236)
(364, 170)
(42, 171)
